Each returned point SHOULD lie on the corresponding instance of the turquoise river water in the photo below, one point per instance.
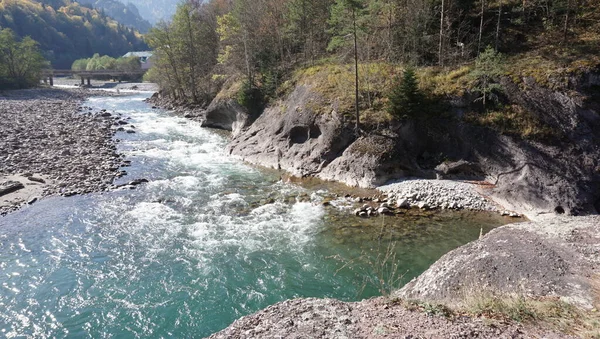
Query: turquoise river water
(209, 239)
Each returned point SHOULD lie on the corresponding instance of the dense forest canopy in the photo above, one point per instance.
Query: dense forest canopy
(266, 41)
(67, 30)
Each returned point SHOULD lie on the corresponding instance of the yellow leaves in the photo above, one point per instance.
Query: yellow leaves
(227, 26)
(225, 54)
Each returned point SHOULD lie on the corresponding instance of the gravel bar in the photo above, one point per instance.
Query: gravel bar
(432, 194)
(48, 139)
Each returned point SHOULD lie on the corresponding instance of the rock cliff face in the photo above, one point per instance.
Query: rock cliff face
(305, 135)
(293, 137)
(557, 258)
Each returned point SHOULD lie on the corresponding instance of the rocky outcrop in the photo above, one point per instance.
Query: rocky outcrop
(553, 258)
(226, 114)
(373, 318)
(294, 137)
(305, 135)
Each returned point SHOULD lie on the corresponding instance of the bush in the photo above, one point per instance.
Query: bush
(251, 97)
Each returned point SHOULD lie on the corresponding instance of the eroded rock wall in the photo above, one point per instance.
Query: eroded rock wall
(305, 135)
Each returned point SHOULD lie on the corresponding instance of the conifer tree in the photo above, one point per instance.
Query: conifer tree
(405, 98)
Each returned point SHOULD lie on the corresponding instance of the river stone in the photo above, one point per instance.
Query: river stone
(403, 203)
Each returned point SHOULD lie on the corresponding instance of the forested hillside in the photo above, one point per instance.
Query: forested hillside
(126, 14)
(155, 10)
(67, 31)
(270, 43)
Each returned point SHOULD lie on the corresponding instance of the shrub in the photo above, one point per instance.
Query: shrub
(250, 97)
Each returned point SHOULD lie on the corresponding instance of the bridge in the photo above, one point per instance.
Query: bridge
(48, 75)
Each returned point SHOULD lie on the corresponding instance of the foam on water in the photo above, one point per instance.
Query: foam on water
(113, 264)
(207, 240)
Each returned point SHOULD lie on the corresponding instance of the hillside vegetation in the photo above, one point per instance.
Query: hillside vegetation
(21, 62)
(67, 31)
(353, 50)
(126, 14)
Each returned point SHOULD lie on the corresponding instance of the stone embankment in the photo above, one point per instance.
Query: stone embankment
(50, 144)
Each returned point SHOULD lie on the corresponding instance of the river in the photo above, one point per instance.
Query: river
(208, 240)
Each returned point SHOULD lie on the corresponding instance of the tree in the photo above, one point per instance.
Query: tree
(488, 66)
(186, 51)
(21, 62)
(342, 28)
(80, 64)
(441, 43)
(405, 98)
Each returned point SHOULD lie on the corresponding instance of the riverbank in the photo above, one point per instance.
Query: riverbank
(527, 280)
(51, 145)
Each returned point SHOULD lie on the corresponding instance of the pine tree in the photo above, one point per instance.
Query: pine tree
(405, 98)
(488, 66)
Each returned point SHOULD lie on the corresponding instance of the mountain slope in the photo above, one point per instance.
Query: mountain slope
(155, 10)
(127, 14)
(68, 31)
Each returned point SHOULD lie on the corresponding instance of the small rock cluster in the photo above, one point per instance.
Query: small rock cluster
(434, 194)
(47, 132)
(378, 206)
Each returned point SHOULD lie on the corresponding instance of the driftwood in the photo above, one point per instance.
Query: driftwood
(9, 187)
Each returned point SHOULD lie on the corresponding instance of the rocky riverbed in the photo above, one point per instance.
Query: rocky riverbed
(50, 144)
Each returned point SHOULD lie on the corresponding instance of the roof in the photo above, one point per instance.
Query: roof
(142, 54)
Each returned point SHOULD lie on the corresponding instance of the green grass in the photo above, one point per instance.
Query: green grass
(546, 312)
(516, 121)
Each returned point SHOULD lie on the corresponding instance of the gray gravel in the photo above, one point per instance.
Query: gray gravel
(373, 318)
(432, 194)
(47, 133)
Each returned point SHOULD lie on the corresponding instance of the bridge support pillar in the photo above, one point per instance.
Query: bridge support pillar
(51, 80)
(82, 83)
(89, 81)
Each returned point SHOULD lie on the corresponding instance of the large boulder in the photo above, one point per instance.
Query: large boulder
(292, 135)
(553, 258)
(227, 114)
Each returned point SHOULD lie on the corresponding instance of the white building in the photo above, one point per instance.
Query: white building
(145, 58)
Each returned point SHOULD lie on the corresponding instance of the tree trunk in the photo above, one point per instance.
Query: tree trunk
(480, 27)
(498, 25)
(441, 48)
(357, 126)
(247, 58)
(566, 28)
(192, 58)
